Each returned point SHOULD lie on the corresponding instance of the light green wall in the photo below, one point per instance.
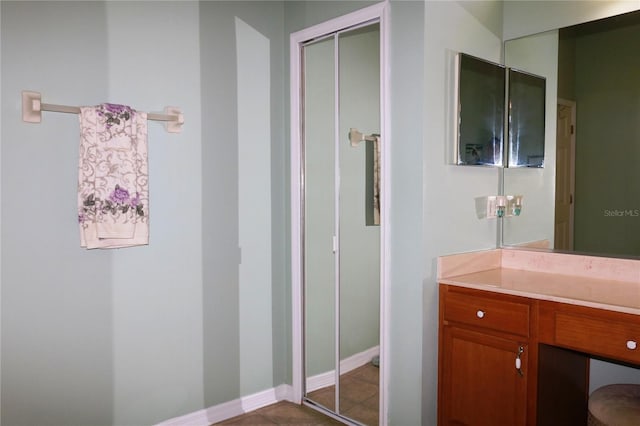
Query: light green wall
(607, 93)
(220, 200)
(406, 245)
(487, 12)
(253, 59)
(134, 336)
(303, 14)
(154, 286)
(57, 300)
(229, 346)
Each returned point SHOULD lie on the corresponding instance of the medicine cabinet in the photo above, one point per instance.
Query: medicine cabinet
(487, 94)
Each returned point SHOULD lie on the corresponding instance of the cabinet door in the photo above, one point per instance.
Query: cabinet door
(481, 384)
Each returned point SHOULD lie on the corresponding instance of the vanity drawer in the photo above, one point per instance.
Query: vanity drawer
(495, 313)
(607, 337)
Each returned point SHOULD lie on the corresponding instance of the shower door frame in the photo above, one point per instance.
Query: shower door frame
(378, 12)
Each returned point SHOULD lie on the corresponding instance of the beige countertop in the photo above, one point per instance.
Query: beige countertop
(587, 287)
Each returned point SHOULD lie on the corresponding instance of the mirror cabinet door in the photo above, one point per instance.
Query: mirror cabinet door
(480, 118)
(526, 119)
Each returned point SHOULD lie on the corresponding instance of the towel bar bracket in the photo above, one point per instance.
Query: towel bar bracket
(173, 126)
(32, 108)
(355, 137)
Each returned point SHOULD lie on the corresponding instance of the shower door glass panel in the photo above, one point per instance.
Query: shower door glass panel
(359, 324)
(319, 221)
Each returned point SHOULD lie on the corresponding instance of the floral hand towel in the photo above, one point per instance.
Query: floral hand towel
(113, 191)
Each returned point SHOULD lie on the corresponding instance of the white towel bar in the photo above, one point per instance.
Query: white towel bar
(32, 108)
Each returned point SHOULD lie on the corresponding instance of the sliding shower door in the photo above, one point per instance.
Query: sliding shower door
(341, 81)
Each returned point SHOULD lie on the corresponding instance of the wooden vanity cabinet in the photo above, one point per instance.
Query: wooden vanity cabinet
(485, 336)
(551, 319)
(485, 358)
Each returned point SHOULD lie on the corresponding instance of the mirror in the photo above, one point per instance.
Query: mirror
(526, 119)
(319, 206)
(341, 73)
(480, 112)
(588, 197)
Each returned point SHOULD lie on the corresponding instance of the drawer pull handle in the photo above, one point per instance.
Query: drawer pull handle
(631, 344)
(519, 361)
(480, 314)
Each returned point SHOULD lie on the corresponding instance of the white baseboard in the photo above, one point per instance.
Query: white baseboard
(323, 380)
(230, 409)
(248, 403)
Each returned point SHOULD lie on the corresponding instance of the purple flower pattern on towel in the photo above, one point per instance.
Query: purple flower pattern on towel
(118, 202)
(119, 195)
(115, 114)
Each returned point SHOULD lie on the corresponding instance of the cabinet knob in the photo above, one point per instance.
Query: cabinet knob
(480, 314)
(631, 344)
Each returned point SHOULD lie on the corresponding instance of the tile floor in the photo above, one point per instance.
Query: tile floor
(358, 400)
(282, 413)
(359, 396)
